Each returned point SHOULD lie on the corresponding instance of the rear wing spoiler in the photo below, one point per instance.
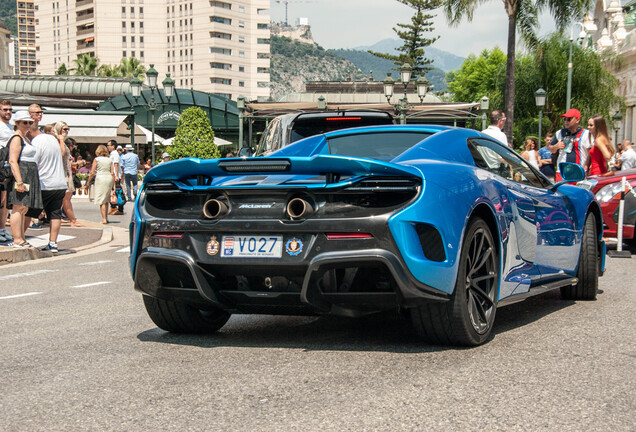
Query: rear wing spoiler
(329, 165)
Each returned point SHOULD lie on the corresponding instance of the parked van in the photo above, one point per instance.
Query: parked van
(286, 129)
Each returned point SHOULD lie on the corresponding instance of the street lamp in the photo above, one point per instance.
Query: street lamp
(588, 27)
(484, 103)
(402, 106)
(152, 105)
(539, 97)
(422, 87)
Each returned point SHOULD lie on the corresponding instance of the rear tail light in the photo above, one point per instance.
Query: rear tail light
(168, 235)
(348, 236)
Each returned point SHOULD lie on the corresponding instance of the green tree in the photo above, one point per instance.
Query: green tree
(593, 87)
(85, 64)
(128, 67)
(62, 70)
(194, 136)
(478, 77)
(413, 35)
(522, 17)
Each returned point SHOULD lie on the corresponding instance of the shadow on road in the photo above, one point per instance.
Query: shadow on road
(386, 332)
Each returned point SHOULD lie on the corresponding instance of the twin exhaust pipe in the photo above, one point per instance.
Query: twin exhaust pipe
(297, 208)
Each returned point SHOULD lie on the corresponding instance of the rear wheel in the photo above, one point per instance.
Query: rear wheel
(588, 272)
(468, 318)
(178, 317)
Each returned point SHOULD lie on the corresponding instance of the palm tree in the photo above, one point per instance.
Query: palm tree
(131, 66)
(85, 64)
(522, 16)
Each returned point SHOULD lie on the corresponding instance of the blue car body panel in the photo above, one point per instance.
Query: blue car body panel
(538, 230)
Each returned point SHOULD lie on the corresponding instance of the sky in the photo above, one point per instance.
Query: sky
(353, 23)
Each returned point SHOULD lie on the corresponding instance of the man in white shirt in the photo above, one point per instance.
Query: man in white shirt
(495, 130)
(628, 156)
(48, 158)
(6, 132)
(114, 156)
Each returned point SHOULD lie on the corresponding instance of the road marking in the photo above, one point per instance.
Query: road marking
(96, 262)
(19, 295)
(124, 250)
(43, 240)
(91, 284)
(19, 275)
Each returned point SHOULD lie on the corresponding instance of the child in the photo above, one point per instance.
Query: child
(118, 208)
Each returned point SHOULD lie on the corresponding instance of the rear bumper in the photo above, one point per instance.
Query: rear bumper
(313, 295)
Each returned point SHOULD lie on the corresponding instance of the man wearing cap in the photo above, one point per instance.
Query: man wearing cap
(572, 143)
(129, 162)
(165, 157)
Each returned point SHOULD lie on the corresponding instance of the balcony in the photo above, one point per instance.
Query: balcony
(81, 3)
(85, 31)
(85, 16)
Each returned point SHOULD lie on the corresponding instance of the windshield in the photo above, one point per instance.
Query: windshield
(313, 125)
(383, 146)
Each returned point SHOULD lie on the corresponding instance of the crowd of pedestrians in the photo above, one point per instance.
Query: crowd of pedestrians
(590, 147)
(43, 161)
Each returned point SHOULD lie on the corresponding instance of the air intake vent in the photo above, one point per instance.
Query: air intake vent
(431, 242)
(384, 185)
(161, 187)
(257, 165)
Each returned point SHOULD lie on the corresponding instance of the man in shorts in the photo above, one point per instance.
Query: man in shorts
(52, 183)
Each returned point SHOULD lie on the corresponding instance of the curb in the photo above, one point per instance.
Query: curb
(14, 255)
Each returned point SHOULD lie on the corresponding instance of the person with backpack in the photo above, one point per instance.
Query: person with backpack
(23, 191)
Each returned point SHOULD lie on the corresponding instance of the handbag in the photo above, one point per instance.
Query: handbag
(6, 175)
(113, 198)
(77, 183)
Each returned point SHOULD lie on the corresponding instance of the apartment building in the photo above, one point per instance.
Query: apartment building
(27, 55)
(221, 47)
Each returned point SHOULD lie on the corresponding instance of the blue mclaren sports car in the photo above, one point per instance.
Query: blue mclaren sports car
(441, 223)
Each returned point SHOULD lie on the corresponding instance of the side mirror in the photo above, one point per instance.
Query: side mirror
(570, 172)
(245, 152)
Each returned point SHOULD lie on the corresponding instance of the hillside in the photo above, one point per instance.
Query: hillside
(441, 59)
(294, 63)
(8, 15)
(368, 62)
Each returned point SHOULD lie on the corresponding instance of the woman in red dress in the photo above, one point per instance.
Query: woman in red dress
(602, 150)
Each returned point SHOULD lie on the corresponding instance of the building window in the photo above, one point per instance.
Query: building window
(241, 83)
(219, 4)
(241, 39)
(241, 9)
(241, 53)
(225, 66)
(141, 54)
(123, 54)
(123, 40)
(224, 81)
(242, 24)
(262, 41)
(262, 70)
(220, 20)
(132, 40)
(262, 84)
(262, 55)
(225, 51)
(241, 68)
(262, 26)
(123, 24)
(220, 35)
(132, 54)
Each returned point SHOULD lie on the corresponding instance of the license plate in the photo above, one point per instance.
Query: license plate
(252, 246)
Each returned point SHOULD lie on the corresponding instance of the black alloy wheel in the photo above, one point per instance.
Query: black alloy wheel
(468, 318)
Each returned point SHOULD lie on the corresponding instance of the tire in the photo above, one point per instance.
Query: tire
(587, 287)
(178, 317)
(467, 319)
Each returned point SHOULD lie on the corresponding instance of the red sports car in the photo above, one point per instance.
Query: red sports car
(607, 190)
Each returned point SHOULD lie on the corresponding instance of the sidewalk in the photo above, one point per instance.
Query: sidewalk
(70, 240)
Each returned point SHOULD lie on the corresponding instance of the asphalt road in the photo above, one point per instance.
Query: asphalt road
(79, 353)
